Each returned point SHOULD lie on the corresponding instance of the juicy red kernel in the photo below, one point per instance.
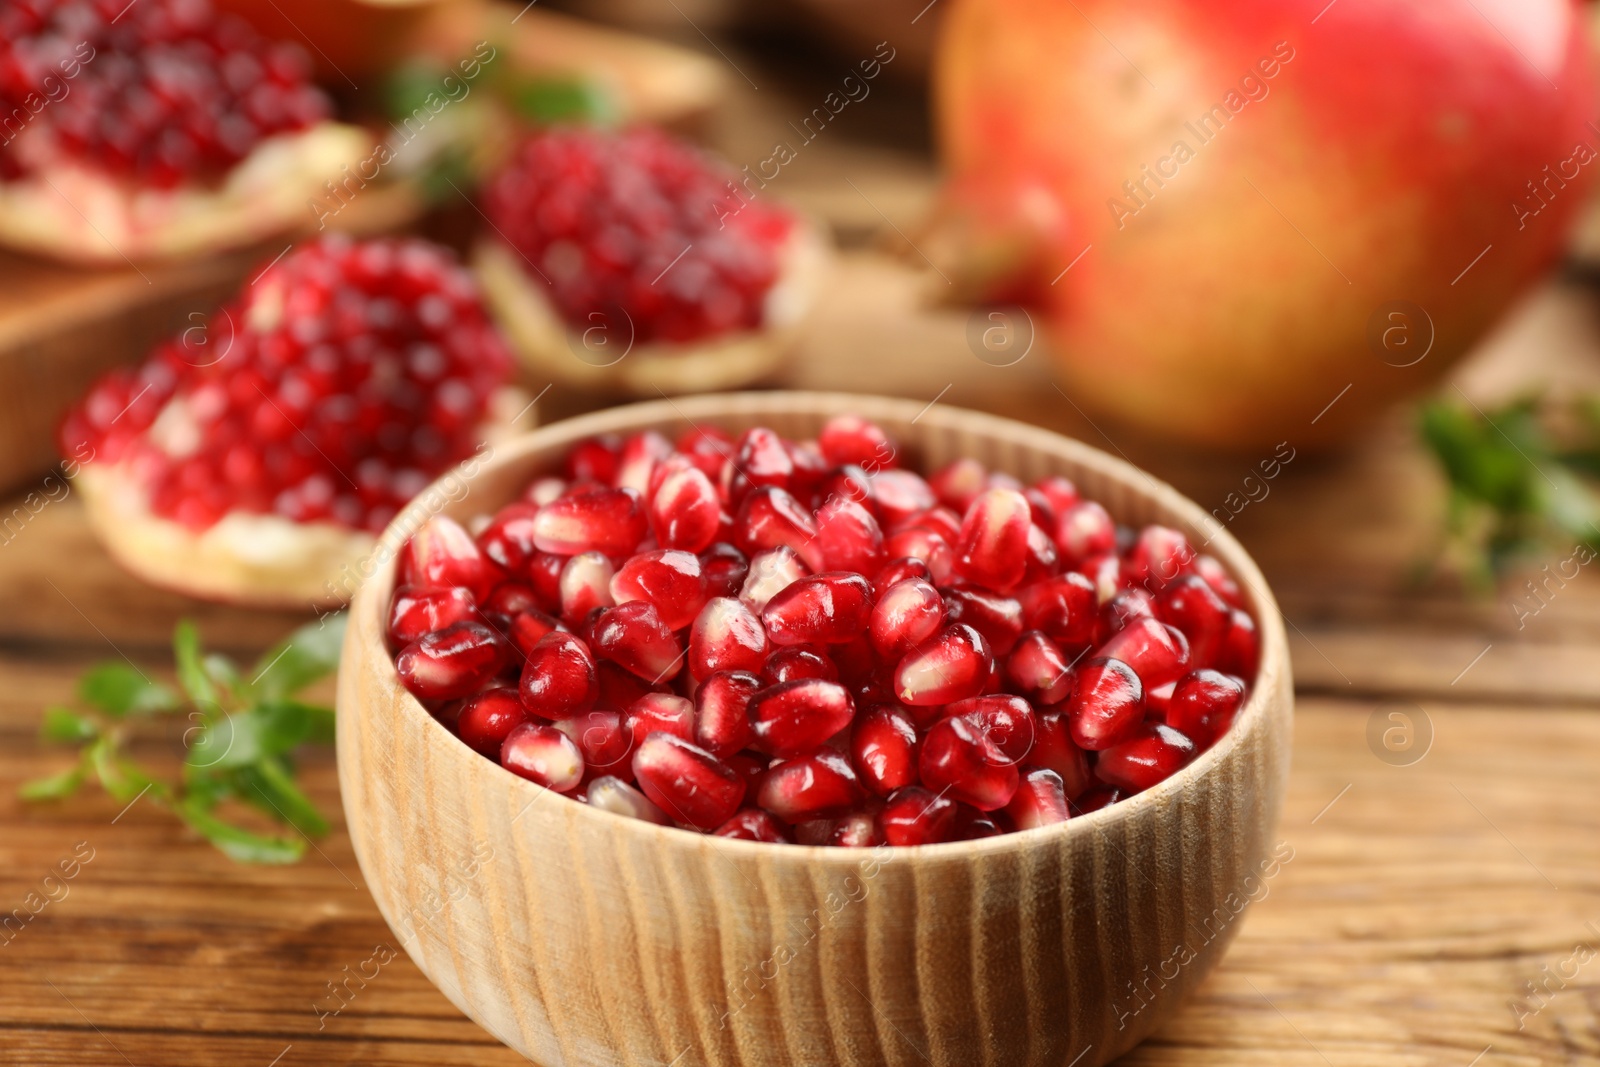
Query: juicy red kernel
(883, 746)
(1124, 609)
(685, 511)
(1153, 754)
(585, 586)
(1158, 653)
(485, 720)
(725, 569)
(721, 717)
(634, 637)
(665, 713)
(899, 570)
(753, 824)
(669, 578)
(906, 614)
(452, 662)
(355, 374)
(857, 829)
(1210, 568)
(1039, 669)
(1203, 704)
(726, 637)
(1107, 706)
(1054, 748)
(527, 628)
(923, 543)
(1083, 532)
(559, 679)
(769, 574)
(797, 662)
(900, 494)
(915, 816)
(959, 758)
(819, 786)
(1063, 608)
(541, 753)
(609, 521)
(1007, 721)
(442, 555)
(508, 539)
(848, 537)
(1240, 653)
(1195, 609)
(1059, 493)
(609, 793)
(959, 484)
(827, 609)
(414, 612)
(1040, 800)
(687, 782)
(970, 824)
(1101, 796)
(853, 439)
(594, 460)
(952, 665)
(771, 517)
(941, 520)
(793, 718)
(1158, 557)
(998, 618)
(604, 740)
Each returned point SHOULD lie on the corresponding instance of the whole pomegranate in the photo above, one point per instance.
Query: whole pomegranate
(1227, 215)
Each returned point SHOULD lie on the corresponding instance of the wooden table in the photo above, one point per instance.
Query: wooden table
(1420, 901)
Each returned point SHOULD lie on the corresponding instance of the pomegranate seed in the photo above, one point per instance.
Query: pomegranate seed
(753, 824)
(541, 753)
(612, 794)
(633, 636)
(1101, 796)
(749, 766)
(605, 741)
(620, 688)
(797, 662)
(685, 511)
(899, 570)
(941, 520)
(452, 662)
(508, 539)
(1203, 705)
(760, 459)
(442, 555)
(819, 786)
(1158, 653)
(1240, 653)
(900, 494)
(1107, 706)
(724, 568)
(953, 665)
(558, 680)
(959, 484)
(637, 460)
(544, 575)
(511, 599)
(1037, 667)
(670, 579)
(526, 628)
(1083, 532)
(1153, 754)
(1040, 800)
(1059, 493)
(959, 759)
(707, 447)
(992, 548)
(792, 718)
(852, 439)
(1105, 574)
(414, 612)
(969, 824)
(998, 618)
(1053, 748)
(907, 614)
(849, 483)
(609, 521)
(770, 574)
(922, 543)
(857, 829)
(769, 518)
(1195, 609)
(883, 746)
(726, 637)
(1159, 556)
(848, 537)
(1007, 721)
(721, 717)
(594, 460)
(1210, 568)
(484, 720)
(659, 713)
(828, 608)
(1124, 609)
(914, 816)
(686, 781)
(814, 832)
(1043, 561)
(585, 585)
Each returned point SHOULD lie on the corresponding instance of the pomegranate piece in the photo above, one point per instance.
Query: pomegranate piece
(612, 794)
(848, 537)
(1060, 493)
(771, 518)
(906, 614)
(953, 665)
(670, 579)
(1083, 532)
(442, 555)
(1157, 558)
(724, 568)
(1124, 609)
(1007, 721)
(1039, 669)
(605, 741)
(721, 715)
(511, 599)
(770, 574)
(899, 570)
(1063, 607)
(1240, 653)
(958, 484)
(1153, 754)
(796, 662)
(857, 829)
(508, 539)
(1042, 561)
(620, 688)
(1101, 796)
(544, 577)
(883, 746)
(998, 618)
(634, 637)
(851, 484)
(1107, 706)
(414, 612)
(959, 759)
(900, 494)
(1191, 606)
(559, 679)
(760, 458)
(526, 628)
(819, 786)
(485, 720)
(793, 718)
(1221, 582)
(585, 585)
(915, 816)
(969, 824)
(1040, 800)
(726, 637)
(1158, 653)
(828, 608)
(608, 521)
(1053, 748)
(594, 460)
(637, 460)
(687, 782)
(665, 713)
(922, 542)
(452, 662)
(853, 439)
(541, 753)
(1203, 704)
(753, 824)
(685, 511)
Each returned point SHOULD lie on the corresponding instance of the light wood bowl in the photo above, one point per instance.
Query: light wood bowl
(579, 937)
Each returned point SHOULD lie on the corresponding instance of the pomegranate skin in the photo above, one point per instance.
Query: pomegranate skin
(1426, 124)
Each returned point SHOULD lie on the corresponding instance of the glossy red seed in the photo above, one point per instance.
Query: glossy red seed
(609, 521)
(793, 718)
(970, 824)
(1043, 560)
(634, 637)
(541, 753)
(1005, 720)
(958, 484)
(906, 614)
(922, 543)
(726, 637)
(526, 628)
(452, 662)
(1107, 706)
(442, 555)
(687, 782)
(797, 662)
(952, 665)
(1101, 796)
(593, 460)
(708, 447)
(769, 574)
(414, 612)
(1083, 532)
(620, 688)
(1039, 669)
(1203, 705)
(585, 585)
(668, 578)
(1157, 653)
(849, 483)
(659, 713)
(853, 439)
(769, 518)
(1060, 492)
(915, 816)
(1216, 575)
(1240, 653)
(1105, 574)
(819, 786)
(512, 598)
(900, 494)
(759, 459)
(941, 520)
(485, 720)
(1153, 754)
(685, 511)
(1123, 609)
(883, 747)
(724, 568)
(998, 618)
(610, 793)
(959, 760)
(753, 824)
(857, 829)
(900, 570)
(508, 539)
(1158, 556)
(558, 679)
(1195, 609)
(992, 548)
(1040, 800)
(750, 766)
(605, 741)
(544, 575)
(848, 537)
(637, 460)
(828, 608)
(1054, 748)
(721, 716)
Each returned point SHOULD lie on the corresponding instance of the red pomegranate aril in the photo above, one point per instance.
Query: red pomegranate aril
(1203, 705)
(1158, 556)
(1053, 748)
(1060, 492)
(853, 439)
(992, 548)
(659, 713)
(819, 786)
(810, 471)
(610, 793)
(941, 520)
(1107, 706)
(899, 570)
(415, 612)
(685, 511)
(998, 618)
(634, 636)
(558, 679)
(959, 759)
(925, 544)
(1043, 561)
(605, 741)
(1125, 608)
(771, 573)
(726, 637)
(1217, 577)
(1101, 796)
(443, 555)
(1039, 669)
(1007, 721)
(511, 599)
(1084, 532)
(724, 568)
(609, 521)
(749, 766)
(1240, 652)
(970, 824)
(668, 578)
(593, 460)
(857, 829)
(1152, 755)
(828, 608)
(797, 662)
(508, 539)
(707, 447)
(953, 665)
(900, 494)
(1194, 608)
(452, 662)
(619, 688)
(687, 782)
(544, 575)
(851, 484)
(883, 746)
(1105, 574)
(637, 460)
(721, 715)
(1040, 800)
(753, 824)
(796, 717)
(771, 518)
(527, 628)
(485, 720)
(759, 459)
(542, 754)
(916, 816)
(906, 614)
(1158, 653)
(959, 484)
(848, 537)
(585, 585)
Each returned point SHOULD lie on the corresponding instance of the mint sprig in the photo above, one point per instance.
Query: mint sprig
(244, 728)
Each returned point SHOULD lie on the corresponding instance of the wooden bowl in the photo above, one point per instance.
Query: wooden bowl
(579, 937)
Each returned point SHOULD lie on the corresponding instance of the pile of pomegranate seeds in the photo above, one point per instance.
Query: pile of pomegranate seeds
(638, 228)
(801, 642)
(334, 388)
(158, 92)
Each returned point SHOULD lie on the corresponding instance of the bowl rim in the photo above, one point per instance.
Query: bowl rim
(374, 593)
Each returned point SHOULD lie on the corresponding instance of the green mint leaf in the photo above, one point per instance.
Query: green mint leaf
(239, 844)
(548, 101)
(119, 689)
(66, 727)
(271, 787)
(55, 787)
(310, 653)
(192, 674)
(120, 777)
